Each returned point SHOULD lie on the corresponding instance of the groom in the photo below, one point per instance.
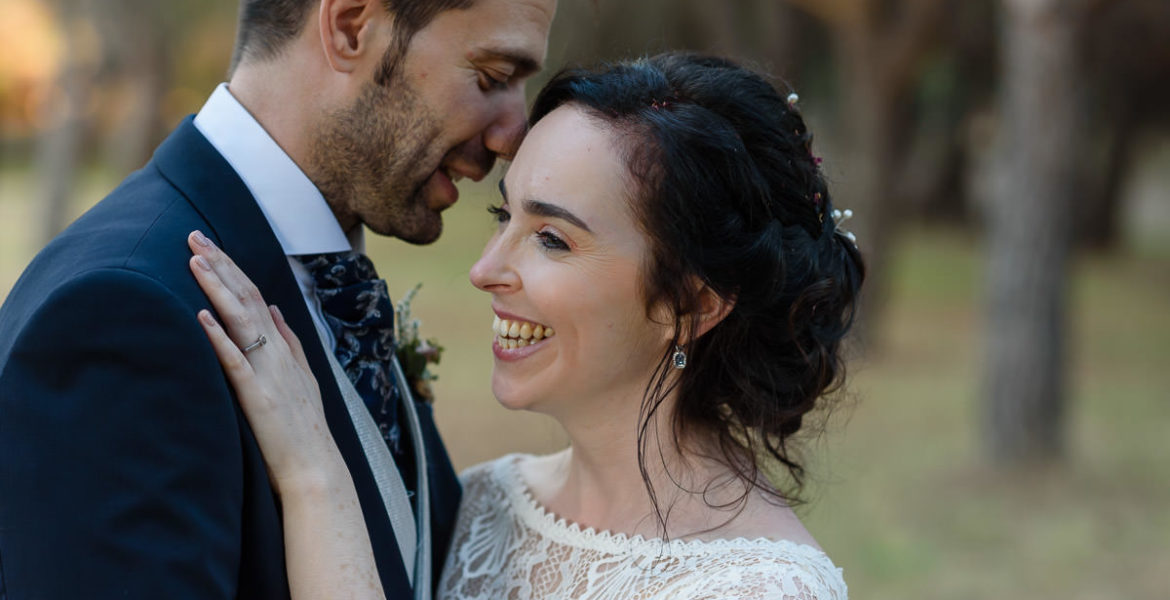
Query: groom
(126, 467)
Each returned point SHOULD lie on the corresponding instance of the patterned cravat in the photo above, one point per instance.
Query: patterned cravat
(358, 311)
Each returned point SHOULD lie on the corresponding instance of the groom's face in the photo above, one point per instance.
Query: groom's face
(453, 103)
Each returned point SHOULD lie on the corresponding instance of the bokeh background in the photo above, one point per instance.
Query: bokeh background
(1004, 428)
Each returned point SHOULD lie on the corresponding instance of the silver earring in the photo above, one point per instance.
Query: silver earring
(679, 360)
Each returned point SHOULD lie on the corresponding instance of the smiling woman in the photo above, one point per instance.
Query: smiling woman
(670, 285)
(667, 219)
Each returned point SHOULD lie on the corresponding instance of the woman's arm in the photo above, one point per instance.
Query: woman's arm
(327, 548)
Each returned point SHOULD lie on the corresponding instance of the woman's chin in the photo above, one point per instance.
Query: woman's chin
(509, 396)
(519, 397)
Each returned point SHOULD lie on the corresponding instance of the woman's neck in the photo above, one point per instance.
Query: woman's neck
(597, 482)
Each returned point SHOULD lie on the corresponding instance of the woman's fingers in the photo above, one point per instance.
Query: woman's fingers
(241, 326)
(232, 277)
(273, 381)
(290, 338)
(235, 364)
(235, 298)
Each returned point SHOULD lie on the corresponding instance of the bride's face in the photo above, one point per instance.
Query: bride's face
(567, 256)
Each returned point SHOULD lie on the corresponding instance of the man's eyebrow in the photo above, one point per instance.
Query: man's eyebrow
(525, 64)
(544, 209)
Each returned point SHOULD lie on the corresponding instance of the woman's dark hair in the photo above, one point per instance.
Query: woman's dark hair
(729, 194)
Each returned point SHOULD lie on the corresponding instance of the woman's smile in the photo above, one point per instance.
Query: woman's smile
(517, 338)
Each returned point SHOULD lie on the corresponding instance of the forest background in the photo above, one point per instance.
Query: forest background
(1003, 430)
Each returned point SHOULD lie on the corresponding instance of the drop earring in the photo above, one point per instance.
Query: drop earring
(679, 360)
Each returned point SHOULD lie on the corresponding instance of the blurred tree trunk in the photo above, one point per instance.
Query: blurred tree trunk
(879, 46)
(1128, 57)
(744, 30)
(1099, 225)
(138, 43)
(59, 142)
(1030, 223)
(959, 84)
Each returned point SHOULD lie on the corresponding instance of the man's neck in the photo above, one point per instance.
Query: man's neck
(280, 114)
(274, 98)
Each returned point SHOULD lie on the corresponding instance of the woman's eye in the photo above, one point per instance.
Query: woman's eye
(550, 241)
(499, 214)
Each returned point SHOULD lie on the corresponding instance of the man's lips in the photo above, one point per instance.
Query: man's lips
(441, 192)
(456, 172)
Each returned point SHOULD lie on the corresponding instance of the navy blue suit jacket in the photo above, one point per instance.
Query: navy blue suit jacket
(126, 466)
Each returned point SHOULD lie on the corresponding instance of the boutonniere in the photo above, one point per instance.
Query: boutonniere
(414, 353)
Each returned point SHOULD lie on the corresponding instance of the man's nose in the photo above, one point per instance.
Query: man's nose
(504, 135)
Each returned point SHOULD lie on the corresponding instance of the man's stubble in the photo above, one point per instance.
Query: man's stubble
(370, 161)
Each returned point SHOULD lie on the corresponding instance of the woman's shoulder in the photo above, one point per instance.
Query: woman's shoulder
(765, 569)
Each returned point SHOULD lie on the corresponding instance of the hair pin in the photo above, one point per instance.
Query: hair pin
(839, 217)
(793, 99)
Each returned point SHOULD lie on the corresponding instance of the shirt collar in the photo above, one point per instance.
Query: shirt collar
(294, 207)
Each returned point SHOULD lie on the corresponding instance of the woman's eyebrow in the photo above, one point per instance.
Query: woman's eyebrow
(545, 209)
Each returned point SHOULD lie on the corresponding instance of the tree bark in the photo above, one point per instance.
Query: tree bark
(879, 48)
(59, 143)
(1030, 222)
(137, 44)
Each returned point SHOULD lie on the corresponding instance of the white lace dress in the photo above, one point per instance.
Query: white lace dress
(506, 546)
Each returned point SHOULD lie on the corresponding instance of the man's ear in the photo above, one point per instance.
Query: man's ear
(713, 308)
(349, 31)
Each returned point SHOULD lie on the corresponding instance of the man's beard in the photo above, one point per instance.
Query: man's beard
(371, 160)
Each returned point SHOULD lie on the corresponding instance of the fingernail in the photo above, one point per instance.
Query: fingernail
(205, 316)
(276, 311)
(202, 262)
(202, 239)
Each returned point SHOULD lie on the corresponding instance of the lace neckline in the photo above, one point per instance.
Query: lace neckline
(534, 514)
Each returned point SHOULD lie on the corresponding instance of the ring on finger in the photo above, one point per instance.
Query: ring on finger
(260, 341)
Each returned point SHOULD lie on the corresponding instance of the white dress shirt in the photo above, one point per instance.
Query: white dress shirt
(294, 207)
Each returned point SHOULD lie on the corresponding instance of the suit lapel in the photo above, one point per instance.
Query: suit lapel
(192, 165)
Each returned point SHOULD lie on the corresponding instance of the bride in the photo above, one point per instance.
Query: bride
(669, 284)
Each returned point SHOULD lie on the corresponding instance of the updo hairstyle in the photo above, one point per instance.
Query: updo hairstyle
(728, 193)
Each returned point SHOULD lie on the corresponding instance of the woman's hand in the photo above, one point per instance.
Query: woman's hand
(272, 378)
(327, 548)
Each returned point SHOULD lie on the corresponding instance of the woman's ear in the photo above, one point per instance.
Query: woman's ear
(349, 32)
(712, 309)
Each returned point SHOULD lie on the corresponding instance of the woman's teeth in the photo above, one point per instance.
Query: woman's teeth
(518, 334)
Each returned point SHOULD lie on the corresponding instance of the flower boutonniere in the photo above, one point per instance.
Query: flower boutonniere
(414, 353)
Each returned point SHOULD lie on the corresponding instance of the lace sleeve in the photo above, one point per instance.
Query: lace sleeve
(768, 576)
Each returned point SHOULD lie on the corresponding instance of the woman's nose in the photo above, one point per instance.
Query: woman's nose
(493, 272)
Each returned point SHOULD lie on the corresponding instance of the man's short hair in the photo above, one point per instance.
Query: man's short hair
(267, 26)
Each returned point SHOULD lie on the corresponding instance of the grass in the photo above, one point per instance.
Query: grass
(902, 499)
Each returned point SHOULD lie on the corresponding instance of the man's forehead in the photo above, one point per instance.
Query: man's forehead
(514, 30)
